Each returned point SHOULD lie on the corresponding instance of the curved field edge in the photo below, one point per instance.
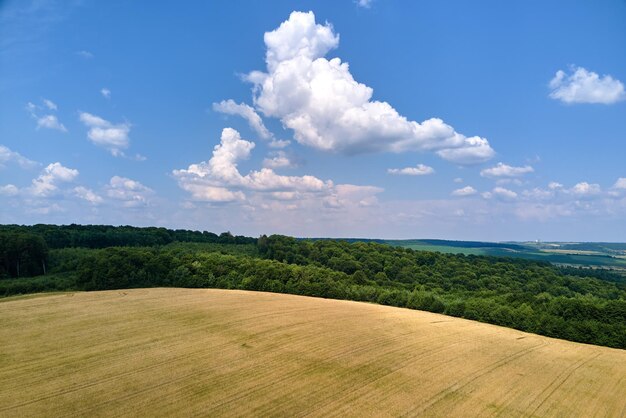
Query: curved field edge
(182, 352)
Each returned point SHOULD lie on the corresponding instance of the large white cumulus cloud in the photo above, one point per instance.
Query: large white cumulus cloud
(327, 109)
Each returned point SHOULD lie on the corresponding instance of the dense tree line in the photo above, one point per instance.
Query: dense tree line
(527, 295)
(605, 274)
(103, 236)
(24, 249)
(22, 254)
(524, 294)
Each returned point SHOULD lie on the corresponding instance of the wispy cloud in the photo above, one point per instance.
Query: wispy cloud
(419, 170)
(47, 121)
(50, 104)
(620, 183)
(504, 170)
(85, 54)
(465, 191)
(279, 159)
(88, 195)
(586, 189)
(364, 3)
(7, 156)
(9, 190)
(130, 193)
(229, 107)
(25, 23)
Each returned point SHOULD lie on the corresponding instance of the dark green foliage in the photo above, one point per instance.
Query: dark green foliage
(103, 236)
(24, 249)
(22, 254)
(608, 275)
(527, 295)
(48, 283)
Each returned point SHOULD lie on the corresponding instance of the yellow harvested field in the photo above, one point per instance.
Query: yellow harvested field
(184, 352)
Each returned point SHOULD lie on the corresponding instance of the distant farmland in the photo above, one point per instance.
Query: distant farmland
(603, 255)
(163, 352)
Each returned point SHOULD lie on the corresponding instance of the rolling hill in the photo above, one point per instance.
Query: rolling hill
(164, 352)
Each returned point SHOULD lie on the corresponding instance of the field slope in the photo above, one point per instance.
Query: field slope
(163, 352)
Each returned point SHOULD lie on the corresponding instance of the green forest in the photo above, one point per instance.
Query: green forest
(576, 304)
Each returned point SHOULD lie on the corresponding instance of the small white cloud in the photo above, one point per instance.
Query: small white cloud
(278, 159)
(8, 156)
(129, 192)
(583, 86)
(8, 190)
(458, 180)
(474, 150)
(620, 183)
(229, 107)
(419, 170)
(364, 3)
(503, 193)
(49, 104)
(106, 93)
(47, 182)
(555, 186)
(278, 143)
(50, 122)
(45, 121)
(88, 195)
(504, 170)
(585, 189)
(113, 137)
(464, 191)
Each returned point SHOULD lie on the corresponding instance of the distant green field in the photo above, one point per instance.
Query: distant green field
(531, 251)
(446, 249)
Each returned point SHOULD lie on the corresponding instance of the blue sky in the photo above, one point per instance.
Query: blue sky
(481, 120)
